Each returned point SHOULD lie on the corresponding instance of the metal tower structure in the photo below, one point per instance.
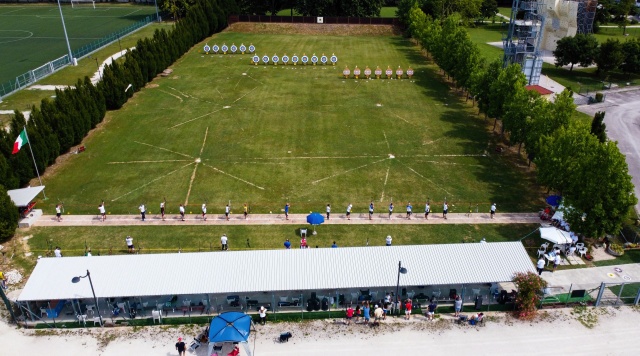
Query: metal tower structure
(522, 42)
(586, 15)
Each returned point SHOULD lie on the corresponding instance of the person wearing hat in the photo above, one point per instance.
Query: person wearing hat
(263, 315)
(181, 347)
(377, 314)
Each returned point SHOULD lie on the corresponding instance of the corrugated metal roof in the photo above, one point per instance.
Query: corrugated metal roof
(276, 270)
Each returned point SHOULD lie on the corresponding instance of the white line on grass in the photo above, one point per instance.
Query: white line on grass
(463, 155)
(221, 96)
(425, 178)
(162, 148)
(234, 177)
(347, 171)
(154, 180)
(387, 141)
(181, 93)
(159, 161)
(199, 117)
(308, 157)
(173, 95)
(255, 79)
(206, 132)
(405, 120)
(386, 177)
(245, 94)
(450, 163)
(193, 177)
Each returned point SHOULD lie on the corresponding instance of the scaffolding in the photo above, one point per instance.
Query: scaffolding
(586, 15)
(522, 42)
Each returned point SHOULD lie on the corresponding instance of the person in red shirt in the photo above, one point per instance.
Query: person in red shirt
(303, 243)
(349, 314)
(407, 309)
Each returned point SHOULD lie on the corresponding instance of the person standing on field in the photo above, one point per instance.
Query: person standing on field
(349, 211)
(409, 211)
(227, 210)
(182, 212)
(371, 210)
(445, 210)
(328, 211)
(493, 210)
(103, 211)
(390, 210)
(162, 210)
(286, 211)
(58, 213)
(143, 210)
(427, 210)
(246, 211)
(204, 211)
(223, 242)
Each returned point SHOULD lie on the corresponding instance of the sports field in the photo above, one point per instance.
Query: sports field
(31, 35)
(221, 129)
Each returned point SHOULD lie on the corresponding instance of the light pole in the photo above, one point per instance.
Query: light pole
(64, 28)
(77, 279)
(403, 271)
(97, 65)
(155, 2)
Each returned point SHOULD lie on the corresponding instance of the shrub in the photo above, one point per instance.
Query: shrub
(599, 97)
(616, 248)
(530, 287)
(8, 216)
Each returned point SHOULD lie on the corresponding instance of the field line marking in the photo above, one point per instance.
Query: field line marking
(154, 180)
(234, 88)
(188, 121)
(432, 141)
(462, 155)
(159, 161)
(234, 177)
(451, 163)
(405, 120)
(425, 178)
(386, 177)
(173, 95)
(255, 79)
(245, 94)
(162, 148)
(181, 93)
(310, 157)
(221, 96)
(193, 177)
(20, 9)
(205, 140)
(347, 171)
(131, 13)
(387, 141)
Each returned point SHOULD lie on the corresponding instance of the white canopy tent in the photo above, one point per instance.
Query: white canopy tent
(22, 197)
(555, 235)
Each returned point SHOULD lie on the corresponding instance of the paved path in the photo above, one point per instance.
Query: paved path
(594, 276)
(294, 219)
(623, 125)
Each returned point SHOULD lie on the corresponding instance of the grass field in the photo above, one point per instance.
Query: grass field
(31, 35)
(221, 129)
(25, 99)
(384, 12)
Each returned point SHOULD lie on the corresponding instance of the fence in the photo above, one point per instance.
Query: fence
(313, 19)
(595, 294)
(49, 68)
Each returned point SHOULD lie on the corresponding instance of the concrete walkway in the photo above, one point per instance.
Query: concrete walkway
(594, 276)
(294, 219)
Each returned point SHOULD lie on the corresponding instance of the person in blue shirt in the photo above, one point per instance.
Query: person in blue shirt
(286, 211)
(287, 244)
(366, 311)
(409, 211)
(334, 245)
(390, 210)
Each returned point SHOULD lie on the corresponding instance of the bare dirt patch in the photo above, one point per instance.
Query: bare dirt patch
(313, 29)
(152, 85)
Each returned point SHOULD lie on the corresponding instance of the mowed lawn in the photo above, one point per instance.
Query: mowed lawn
(169, 239)
(220, 129)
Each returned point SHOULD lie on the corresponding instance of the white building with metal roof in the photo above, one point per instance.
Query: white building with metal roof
(283, 271)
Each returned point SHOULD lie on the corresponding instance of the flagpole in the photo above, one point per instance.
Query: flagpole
(34, 161)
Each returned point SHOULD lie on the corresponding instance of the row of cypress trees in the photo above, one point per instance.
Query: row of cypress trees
(62, 122)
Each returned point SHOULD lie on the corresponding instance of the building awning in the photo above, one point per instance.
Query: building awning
(233, 272)
(22, 197)
(541, 90)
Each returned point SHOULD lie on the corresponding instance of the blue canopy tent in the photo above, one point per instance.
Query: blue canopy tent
(230, 327)
(554, 200)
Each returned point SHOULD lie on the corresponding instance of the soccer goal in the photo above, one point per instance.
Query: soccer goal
(83, 3)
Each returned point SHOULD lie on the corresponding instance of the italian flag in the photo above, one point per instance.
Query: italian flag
(20, 141)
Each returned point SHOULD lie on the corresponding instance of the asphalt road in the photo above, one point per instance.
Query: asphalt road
(623, 125)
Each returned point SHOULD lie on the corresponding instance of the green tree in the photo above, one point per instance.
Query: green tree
(588, 45)
(177, 8)
(467, 9)
(520, 112)
(488, 9)
(610, 56)
(417, 23)
(8, 216)
(482, 84)
(567, 52)
(509, 81)
(403, 9)
(631, 52)
(598, 127)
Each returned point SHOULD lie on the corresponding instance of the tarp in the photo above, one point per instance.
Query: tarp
(230, 327)
(22, 197)
(555, 235)
(558, 215)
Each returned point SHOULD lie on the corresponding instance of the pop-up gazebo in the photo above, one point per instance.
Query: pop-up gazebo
(230, 327)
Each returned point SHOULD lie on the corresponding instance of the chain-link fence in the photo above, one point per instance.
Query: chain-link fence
(49, 68)
(594, 294)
